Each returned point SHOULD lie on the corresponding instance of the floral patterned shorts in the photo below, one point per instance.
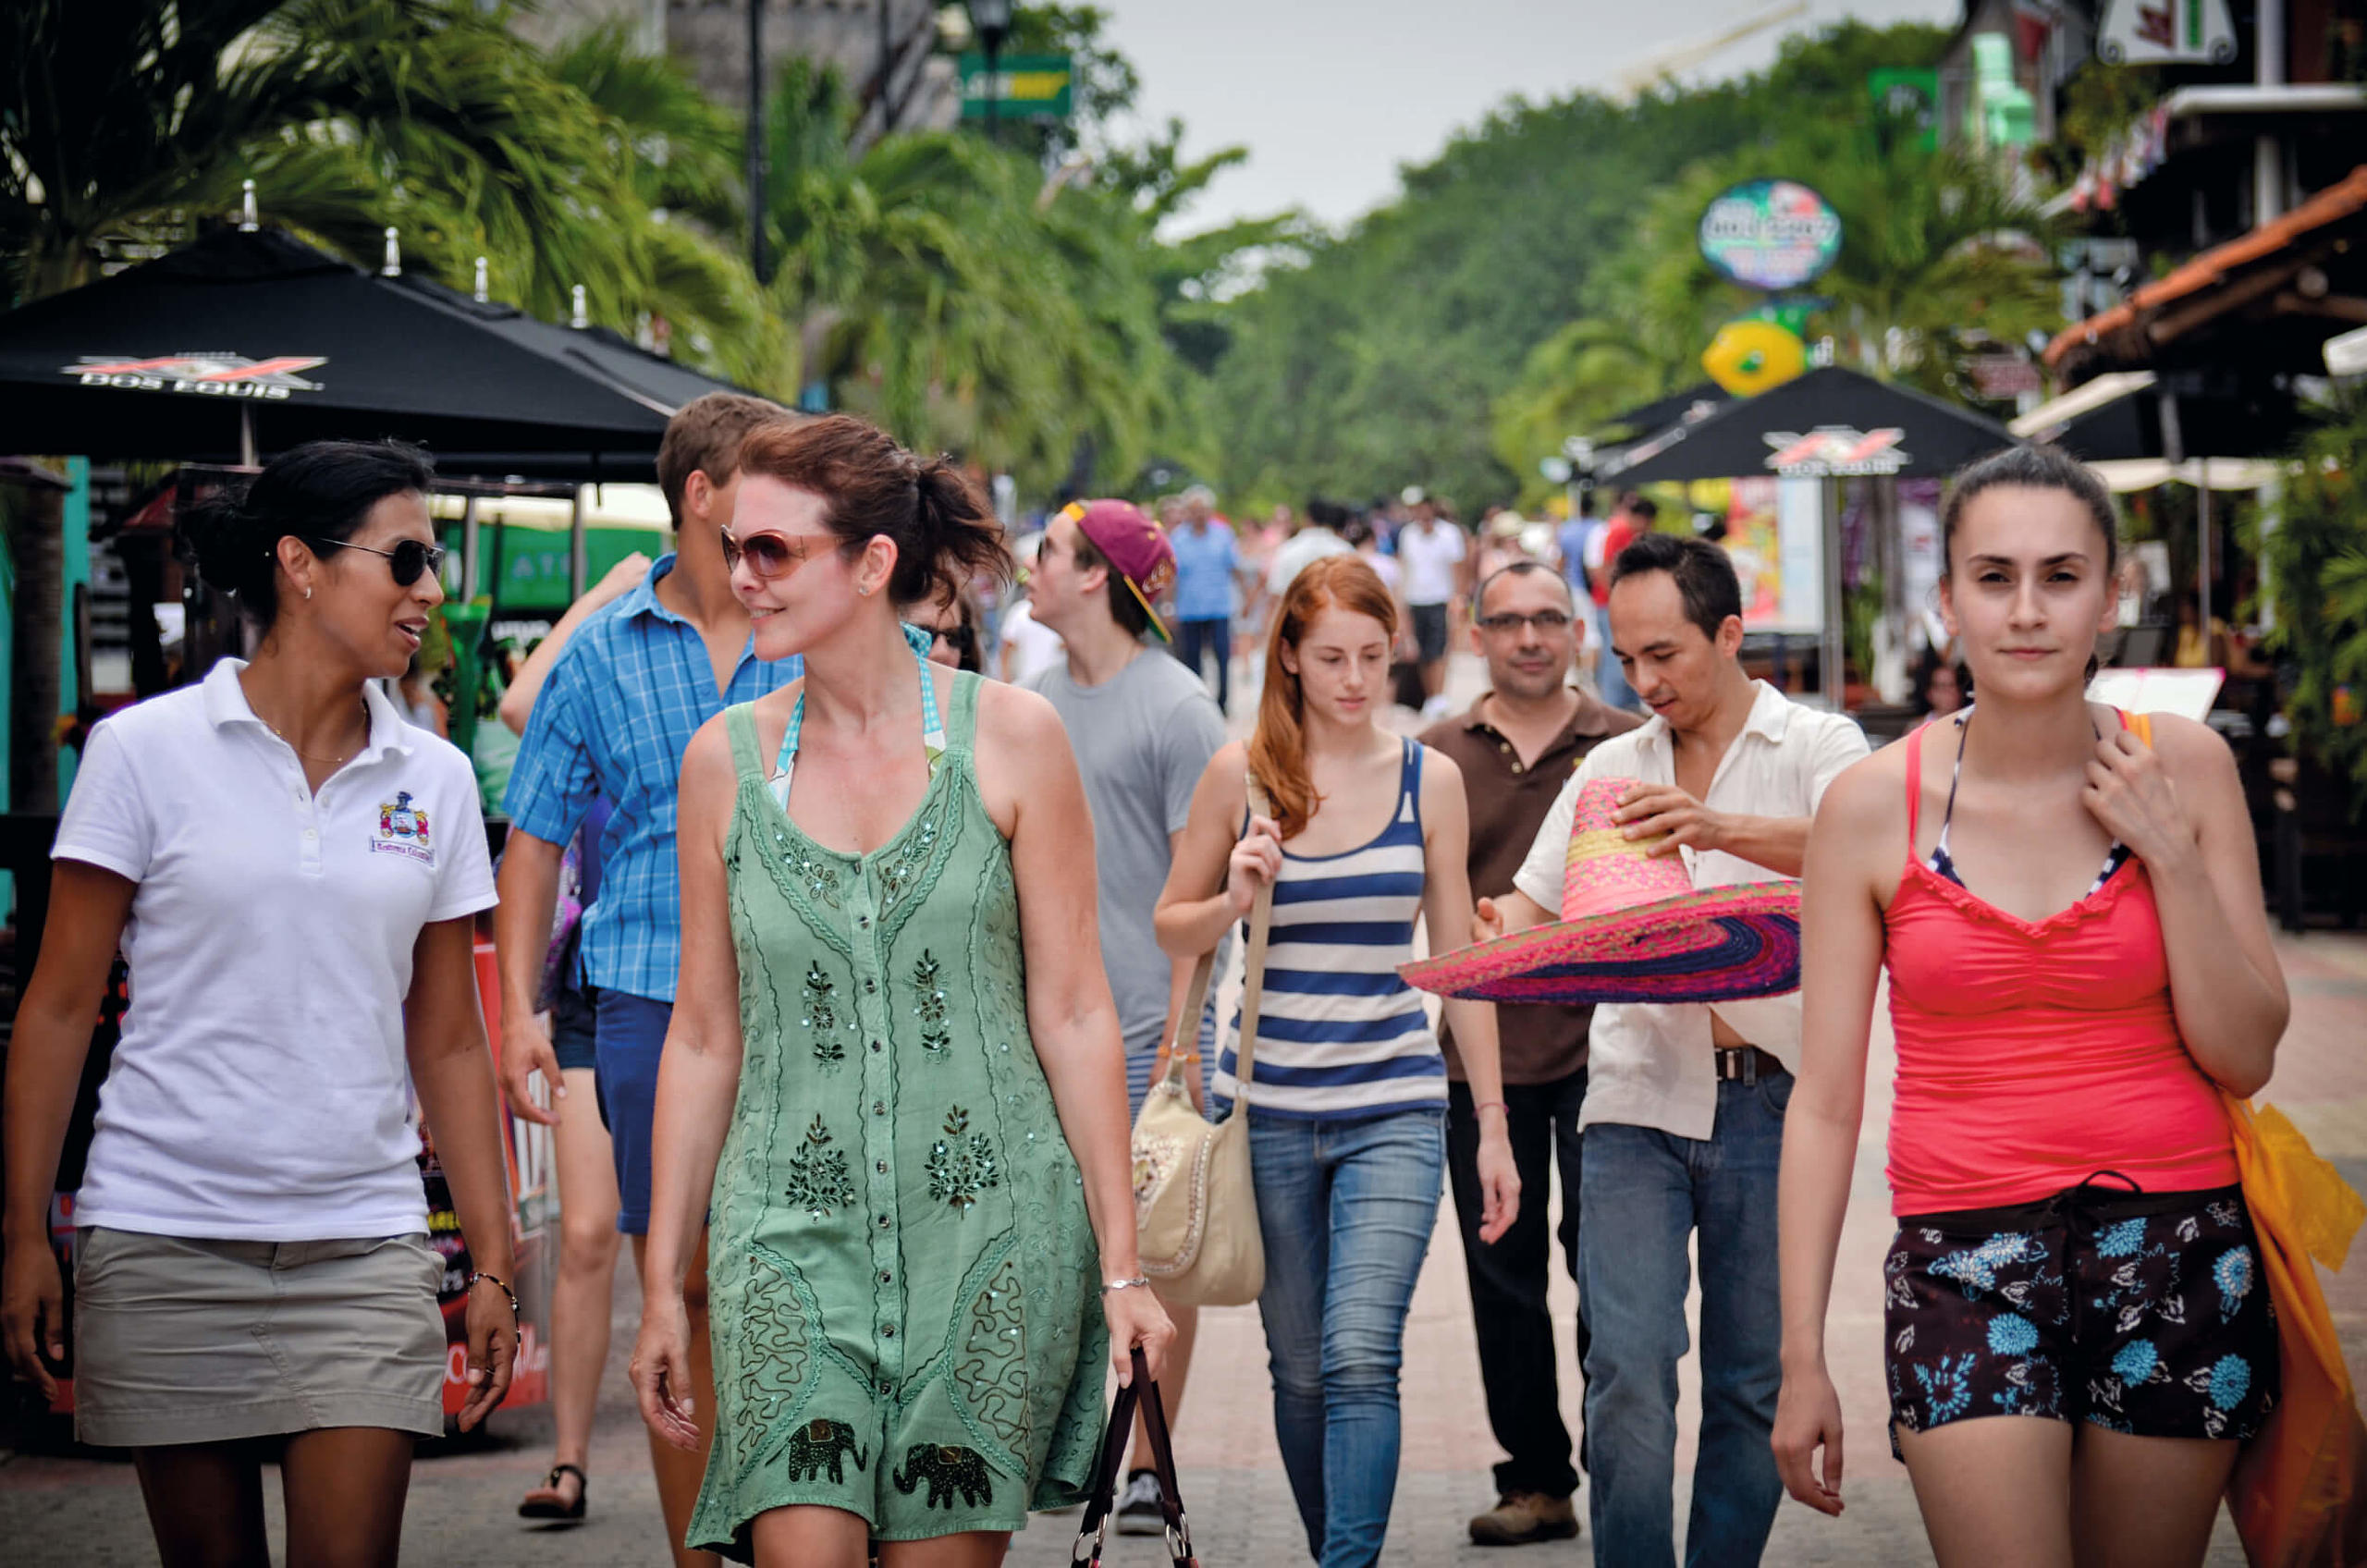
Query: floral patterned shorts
(2142, 1311)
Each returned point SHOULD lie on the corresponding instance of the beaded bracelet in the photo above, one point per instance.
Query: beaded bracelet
(501, 1285)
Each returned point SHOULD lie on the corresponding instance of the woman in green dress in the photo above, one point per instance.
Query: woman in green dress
(894, 1079)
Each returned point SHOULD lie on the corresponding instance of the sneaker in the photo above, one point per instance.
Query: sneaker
(1519, 1518)
(1138, 1510)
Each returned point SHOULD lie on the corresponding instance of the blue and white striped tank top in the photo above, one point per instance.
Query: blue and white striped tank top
(1338, 1035)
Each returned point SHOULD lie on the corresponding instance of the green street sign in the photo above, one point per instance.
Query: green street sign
(1027, 87)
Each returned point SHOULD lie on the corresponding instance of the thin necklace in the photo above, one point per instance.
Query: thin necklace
(332, 762)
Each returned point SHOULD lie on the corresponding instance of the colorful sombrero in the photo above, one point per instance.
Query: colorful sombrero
(1633, 929)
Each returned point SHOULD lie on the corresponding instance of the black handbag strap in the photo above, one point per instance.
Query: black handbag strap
(1094, 1530)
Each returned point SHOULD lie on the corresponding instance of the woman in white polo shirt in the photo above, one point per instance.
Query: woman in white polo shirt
(290, 871)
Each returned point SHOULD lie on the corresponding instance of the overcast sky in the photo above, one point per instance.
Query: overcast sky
(1330, 96)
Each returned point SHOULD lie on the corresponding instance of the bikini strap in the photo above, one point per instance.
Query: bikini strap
(932, 728)
(1956, 777)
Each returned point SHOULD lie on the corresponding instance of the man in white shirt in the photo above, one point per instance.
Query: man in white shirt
(1319, 537)
(1431, 550)
(1684, 1115)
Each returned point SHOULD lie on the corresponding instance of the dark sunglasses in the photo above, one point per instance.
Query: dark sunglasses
(772, 555)
(407, 560)
(958, 638)
(1544, 620)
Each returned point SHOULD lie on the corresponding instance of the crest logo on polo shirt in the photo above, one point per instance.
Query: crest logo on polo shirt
(402, 829)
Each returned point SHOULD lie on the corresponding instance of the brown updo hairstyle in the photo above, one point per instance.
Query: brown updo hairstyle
(1278, 746)
(944, 531)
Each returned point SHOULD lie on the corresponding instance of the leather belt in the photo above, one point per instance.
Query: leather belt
(1747, 1064)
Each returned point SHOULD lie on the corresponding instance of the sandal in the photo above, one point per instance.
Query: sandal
(537, 1507)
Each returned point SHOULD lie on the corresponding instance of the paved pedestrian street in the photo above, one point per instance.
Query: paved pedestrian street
(86, 1512)
(83, 1510)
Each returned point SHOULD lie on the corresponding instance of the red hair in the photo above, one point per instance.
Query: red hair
(1278, 746)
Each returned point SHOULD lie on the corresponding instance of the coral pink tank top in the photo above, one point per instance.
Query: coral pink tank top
(2033, 1054)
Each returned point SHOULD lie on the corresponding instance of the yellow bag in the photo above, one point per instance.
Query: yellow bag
(2295, 1494)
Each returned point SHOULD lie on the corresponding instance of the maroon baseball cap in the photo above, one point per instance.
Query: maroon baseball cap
(1135, 545)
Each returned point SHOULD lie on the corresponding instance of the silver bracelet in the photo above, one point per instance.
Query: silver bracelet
(1137, 1283)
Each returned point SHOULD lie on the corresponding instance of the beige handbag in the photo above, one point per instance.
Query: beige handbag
(1196, 1214)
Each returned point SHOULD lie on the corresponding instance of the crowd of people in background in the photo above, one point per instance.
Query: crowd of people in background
(799, 959)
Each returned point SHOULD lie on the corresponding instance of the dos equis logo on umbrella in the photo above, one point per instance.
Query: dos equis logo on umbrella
(203, 374)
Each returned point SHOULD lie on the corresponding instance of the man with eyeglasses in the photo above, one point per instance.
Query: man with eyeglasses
(612, 720)
(1516, 746)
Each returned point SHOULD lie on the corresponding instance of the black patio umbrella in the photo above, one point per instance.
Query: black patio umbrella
(1662, 412)
(596, 350)
(251, 342)
(2216, 419)
(1833, 423)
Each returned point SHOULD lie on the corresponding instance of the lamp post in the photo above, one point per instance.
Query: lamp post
(756, 152)
(991, 19)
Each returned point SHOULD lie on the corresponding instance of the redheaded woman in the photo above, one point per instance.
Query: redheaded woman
(1348, 1094)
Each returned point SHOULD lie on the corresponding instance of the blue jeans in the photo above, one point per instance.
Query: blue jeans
(1641, 1192)
(1346, 1209)
(1610, 680)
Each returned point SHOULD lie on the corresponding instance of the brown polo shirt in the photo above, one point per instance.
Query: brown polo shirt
(1508, 802)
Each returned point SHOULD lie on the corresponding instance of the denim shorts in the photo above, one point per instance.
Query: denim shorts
(630, 1033)
(2144, 1313)
(574, 1030)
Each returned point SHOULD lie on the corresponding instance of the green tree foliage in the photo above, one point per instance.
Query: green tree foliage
(1380, 360)
(124, 124)
(944, 288)
(2316, 561)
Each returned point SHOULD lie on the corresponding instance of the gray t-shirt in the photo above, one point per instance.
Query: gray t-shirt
(1143, 738)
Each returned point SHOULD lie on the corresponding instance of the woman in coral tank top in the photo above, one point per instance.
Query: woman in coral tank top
(2075, 1333)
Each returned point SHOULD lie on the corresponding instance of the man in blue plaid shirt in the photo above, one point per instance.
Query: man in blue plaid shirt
(613, 719)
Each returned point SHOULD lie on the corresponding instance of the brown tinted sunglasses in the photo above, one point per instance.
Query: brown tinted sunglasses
(774, 555)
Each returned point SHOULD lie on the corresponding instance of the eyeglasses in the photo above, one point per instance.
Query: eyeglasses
(773, 555)
(1507, 622)
(961, 638)
(407, 560)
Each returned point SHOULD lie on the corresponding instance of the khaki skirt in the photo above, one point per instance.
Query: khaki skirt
(179, 1341)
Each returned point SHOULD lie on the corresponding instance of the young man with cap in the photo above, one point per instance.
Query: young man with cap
(1516, 746)
(1143, 729)
(620, 704)
(1684, 1112)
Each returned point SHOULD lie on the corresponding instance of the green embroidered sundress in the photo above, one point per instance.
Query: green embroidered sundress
(902, 1279)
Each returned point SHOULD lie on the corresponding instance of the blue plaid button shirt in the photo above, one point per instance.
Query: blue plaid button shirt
(613, 719)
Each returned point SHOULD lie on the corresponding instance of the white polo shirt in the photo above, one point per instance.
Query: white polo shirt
(261, 1091)
(1650, 1064)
